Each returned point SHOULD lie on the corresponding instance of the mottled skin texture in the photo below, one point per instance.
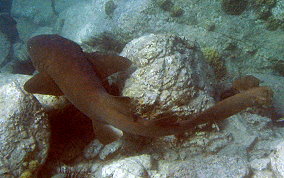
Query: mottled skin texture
(65, 63)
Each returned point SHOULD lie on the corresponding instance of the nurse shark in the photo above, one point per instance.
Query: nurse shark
(64, 69)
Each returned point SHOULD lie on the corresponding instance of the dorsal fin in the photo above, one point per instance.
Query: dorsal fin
(41, 83)
(106, 65)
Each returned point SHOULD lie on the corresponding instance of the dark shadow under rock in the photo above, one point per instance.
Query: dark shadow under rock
(71, 132)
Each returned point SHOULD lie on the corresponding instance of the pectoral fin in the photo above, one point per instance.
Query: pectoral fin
(42, 83)
(106, 65)
(106, 133)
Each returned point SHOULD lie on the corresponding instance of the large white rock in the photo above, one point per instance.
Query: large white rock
(24, 131)
(171, 77)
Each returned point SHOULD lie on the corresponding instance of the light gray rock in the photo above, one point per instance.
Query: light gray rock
(84, 21)
(278, 10)
(61, 5)
(110, 149)
(277, 161)
(263, 148)
(130, 19)
(20, 51)
(52, 103)
(263, 174)
(8, 68)
(25, 28)
(42, 31)
(39, 12)
(251, 134)
(24, 127)
(212, 166)
(246, 125)
(93, 149)
(260, 164)
(87, 20)
(204, 143)
(170, 76)
(20, 48)
(131, 167)
(4, 47)
(139, 18)
(276, 83)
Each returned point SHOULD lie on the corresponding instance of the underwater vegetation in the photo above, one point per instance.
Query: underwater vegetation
(32, 166)
(278, 66)
(106, 42)
(263, 8)
(176, 11)
(110, 6)
(214, 59)
(269, 3)
(263, 12)
(234, 7)
(272, 23)
(168, 5)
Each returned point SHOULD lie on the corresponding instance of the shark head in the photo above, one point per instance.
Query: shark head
(43, 48)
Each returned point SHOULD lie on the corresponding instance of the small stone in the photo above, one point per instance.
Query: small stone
(136, 166)
(110, 149)
(260, 164)
(93, 149)
(176, 11)
(33, 165)
(211, 166)
(234, 7)
(4, 171)
(277, 160)
(110, 6)
(59, 176)
(263, 174)
(26, 174)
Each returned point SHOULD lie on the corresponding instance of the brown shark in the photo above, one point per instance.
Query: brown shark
(64, 69)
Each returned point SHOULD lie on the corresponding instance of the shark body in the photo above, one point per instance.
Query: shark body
(64, 69)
